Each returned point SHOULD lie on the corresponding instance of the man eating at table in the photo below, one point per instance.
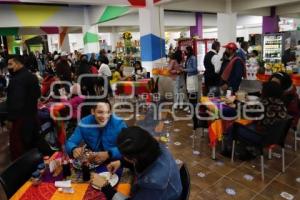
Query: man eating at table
(99, 131)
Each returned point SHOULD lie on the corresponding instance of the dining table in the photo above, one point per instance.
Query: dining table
(222, 118)
(46, 189)
(129, 88)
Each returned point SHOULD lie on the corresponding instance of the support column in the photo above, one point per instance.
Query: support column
(198, 29)
(152, 35)
(64, 43)
(270, 23)
(114, 38)
(226, 23)
(90, 35)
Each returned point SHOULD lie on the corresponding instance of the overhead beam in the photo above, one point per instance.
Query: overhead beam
(256, 12)
(197, 6)
(288, 9)
(240, 5)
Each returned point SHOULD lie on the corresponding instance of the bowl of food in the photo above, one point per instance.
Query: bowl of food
(252, 98)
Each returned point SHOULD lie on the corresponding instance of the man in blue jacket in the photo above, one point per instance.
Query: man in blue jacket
(243, 51)
(99, 131)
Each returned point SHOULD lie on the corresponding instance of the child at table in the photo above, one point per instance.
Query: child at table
(139, 71)
(156, 170)
(118, 74)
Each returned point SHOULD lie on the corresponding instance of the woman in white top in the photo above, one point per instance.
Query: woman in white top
(104, 70)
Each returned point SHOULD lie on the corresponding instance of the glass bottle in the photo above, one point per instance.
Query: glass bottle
(86, 174)
(66, 168)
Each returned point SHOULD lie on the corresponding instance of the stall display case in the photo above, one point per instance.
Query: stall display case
(273, 47)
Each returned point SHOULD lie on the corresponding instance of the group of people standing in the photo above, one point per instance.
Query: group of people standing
(184, 72)
(226, 72)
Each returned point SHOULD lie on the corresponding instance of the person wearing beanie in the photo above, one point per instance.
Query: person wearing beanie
(156, 170)
(290, 96)
(274, 111)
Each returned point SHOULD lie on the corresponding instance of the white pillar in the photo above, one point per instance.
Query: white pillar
(114, 37)
(90, 35)
(226, 27)
(152, 35)
(226, 23)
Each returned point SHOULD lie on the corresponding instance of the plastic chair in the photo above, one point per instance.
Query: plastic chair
(20, 171)
(186, 182)
(275, 135)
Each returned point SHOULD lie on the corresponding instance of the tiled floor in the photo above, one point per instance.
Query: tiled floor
(214, 179)
(210, 179)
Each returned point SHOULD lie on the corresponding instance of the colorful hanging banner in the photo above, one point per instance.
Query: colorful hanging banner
(137, 3)
(34, 15)
(9, 31)
(90, 38)
(62, 35)
(113, 12)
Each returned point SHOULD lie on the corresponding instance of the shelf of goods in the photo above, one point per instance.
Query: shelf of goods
(272, 49)
(274, 67)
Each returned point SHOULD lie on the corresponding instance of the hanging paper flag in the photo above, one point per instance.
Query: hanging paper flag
(50, 30)
(9, 31)
(62, 35)
(137, 3)
(90, 38)
(36, 15)
(113, 12)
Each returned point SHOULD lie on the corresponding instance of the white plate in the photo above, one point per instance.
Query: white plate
(252, 98)
(112, 181)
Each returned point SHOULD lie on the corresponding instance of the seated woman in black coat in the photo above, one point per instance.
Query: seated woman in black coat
(274, 111)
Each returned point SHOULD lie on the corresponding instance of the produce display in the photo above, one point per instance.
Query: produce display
(274, 67)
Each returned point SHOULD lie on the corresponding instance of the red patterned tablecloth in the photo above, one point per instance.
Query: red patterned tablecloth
(47, 190)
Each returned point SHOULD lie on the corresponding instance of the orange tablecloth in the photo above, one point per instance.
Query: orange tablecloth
(47, 191)
(133, 87)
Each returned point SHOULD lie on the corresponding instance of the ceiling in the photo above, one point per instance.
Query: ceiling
(286, 8)
(72, 2)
